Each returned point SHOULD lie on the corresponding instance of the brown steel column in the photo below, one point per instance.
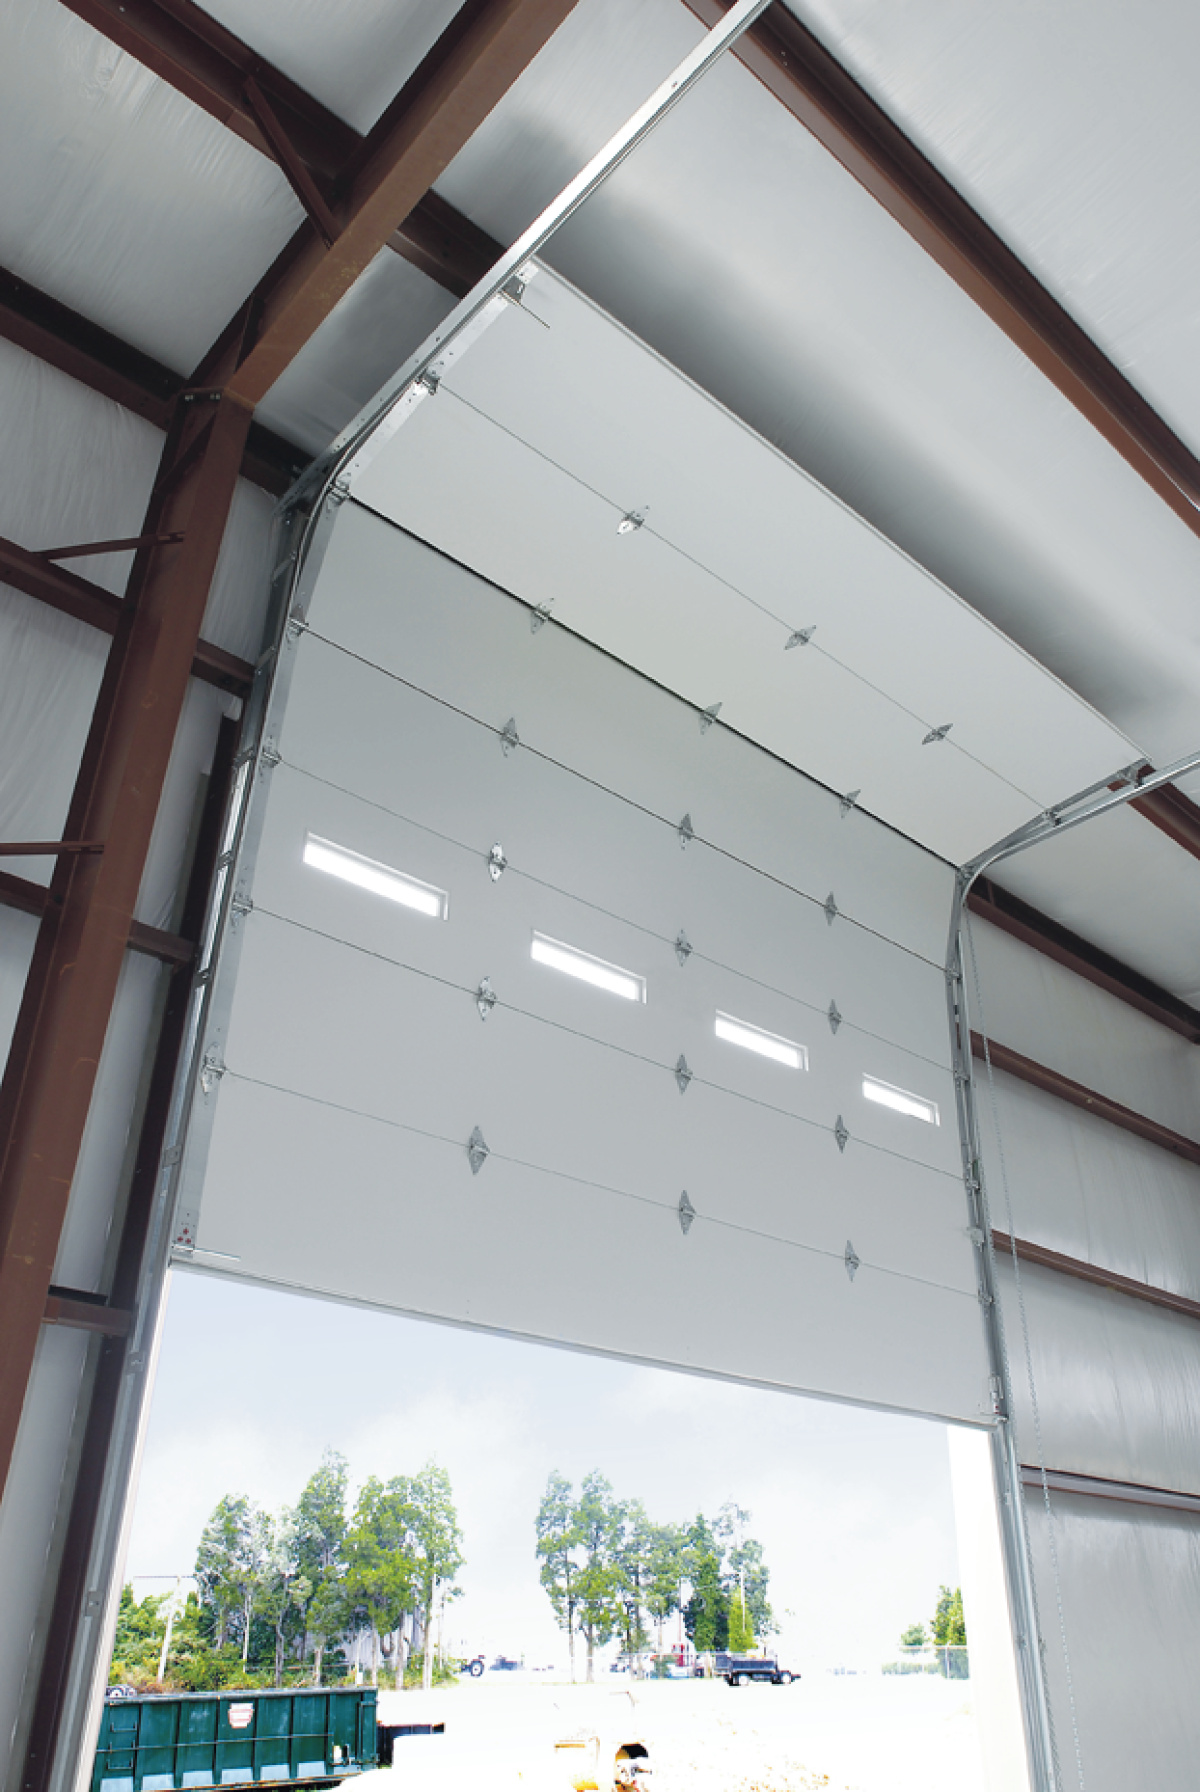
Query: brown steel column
(69, 993)
(85, 1502)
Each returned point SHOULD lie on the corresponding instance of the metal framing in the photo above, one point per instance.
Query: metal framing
(1097, 799)
(353, 190)
(127, 1319)
(1028, 924)
(101, 361)
(87, 914)
(1027, 1252)
(56, 1047)
(793, 65)
(1064, 1088)
(1128, 1493)
(66, 1692)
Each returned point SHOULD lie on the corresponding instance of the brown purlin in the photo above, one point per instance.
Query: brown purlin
(1053, 1082)
(822, 96)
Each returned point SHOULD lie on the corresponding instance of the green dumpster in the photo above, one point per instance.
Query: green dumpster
(167, 1742)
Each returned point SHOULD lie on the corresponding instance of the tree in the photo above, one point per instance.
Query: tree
(558, 1543)
(949, 1629)
(948, 1623)
(744, 1573)
(632, 1539)
(437, 1542)
(230, 1563)
(914, 1637)
(741, 1630)
(320, 1537)
(140, 1627)
(283, 1590)
(381, 1563)
(664, 1571)
(598, 1581)
(706, 1615)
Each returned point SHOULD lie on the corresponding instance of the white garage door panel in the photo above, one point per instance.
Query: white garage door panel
(1093, 1191)
(483, 497)
(403, 607)
(442, 772)
(356, 1063)
(319, 1018)
(1118, 1381)
(781, 947)
(401, 1222)
(591, 400)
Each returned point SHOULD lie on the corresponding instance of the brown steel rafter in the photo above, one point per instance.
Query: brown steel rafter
(313, 146)
(471, 67)
(50, 1075)
(75, 596)
(803, 75)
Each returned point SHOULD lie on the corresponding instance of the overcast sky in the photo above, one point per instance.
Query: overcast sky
(853, 1508)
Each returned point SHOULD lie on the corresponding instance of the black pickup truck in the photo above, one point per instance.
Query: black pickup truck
(736, 1668)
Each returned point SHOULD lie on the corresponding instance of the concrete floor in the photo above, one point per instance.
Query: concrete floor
(854, 1734)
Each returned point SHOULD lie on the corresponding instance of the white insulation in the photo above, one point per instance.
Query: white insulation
(77, 467)
(1105, 1385)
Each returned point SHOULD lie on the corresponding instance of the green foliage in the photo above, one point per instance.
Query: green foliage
(437, 1543)
(278, 1595)
(380, 1578)
(706, 1615)
(320, 1539)
(609, 1571)
(598, 1583)
(948, 1624)
(741, 1629)
(141, 1625)
(947, 1635)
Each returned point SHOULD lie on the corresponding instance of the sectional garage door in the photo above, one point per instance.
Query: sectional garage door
(721, 1197)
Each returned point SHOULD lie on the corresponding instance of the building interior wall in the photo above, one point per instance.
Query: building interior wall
(78, 468)
(1105, 1384)
(949, 441)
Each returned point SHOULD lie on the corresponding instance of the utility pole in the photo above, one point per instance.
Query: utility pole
(173, 1606)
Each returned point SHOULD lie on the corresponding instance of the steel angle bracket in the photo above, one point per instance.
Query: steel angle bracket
(686, 1212)
(834, 1016)
(478, 1151)
(831, 909)
(683, 1075)
(851, 1259)
(841, 1133)
(211, 1071)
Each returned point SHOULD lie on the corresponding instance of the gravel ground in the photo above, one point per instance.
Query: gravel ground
(854, 1734)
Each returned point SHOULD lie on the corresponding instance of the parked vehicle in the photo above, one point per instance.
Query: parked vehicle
(736, 1668)
(474, 1667)
(313, 1737)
